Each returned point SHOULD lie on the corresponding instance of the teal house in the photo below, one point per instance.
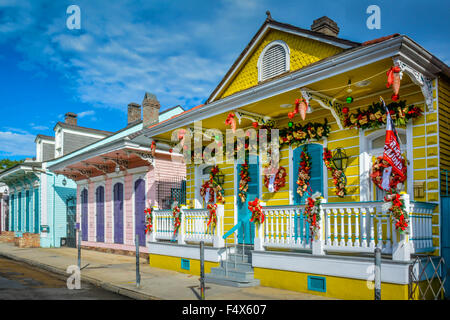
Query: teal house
(42, 205)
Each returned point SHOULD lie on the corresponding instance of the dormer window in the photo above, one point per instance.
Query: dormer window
(274, 60)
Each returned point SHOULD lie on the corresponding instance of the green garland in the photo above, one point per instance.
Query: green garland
(375, 115)
(299, 134)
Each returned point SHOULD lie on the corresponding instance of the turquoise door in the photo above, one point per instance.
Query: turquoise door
(301, 226)
(27, 211)
(246, 232)
(19, 211)
(316, 182)
(36, 211)
(11, 220)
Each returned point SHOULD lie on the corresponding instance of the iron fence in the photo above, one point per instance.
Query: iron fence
(171, 190)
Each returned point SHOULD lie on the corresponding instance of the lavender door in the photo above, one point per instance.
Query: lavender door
(84, 215)
(118, 213)
(100, 201)
(139, 207)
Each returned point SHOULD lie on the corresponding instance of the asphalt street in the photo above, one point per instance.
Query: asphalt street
(19, 281)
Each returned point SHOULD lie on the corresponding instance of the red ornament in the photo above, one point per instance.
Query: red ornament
(170, 150)
(255, 124)
(231, 121)
(291, 115)
(345, 110)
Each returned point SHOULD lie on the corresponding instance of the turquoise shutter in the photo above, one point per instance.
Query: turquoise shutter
(316, 181)
(11, 219)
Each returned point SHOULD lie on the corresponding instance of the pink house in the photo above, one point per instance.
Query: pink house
(121, 175)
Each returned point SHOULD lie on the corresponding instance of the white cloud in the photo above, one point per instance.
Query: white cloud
(40, 128)
(17, 144)
(86, 113)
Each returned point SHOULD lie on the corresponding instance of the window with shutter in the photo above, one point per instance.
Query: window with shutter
(274, 60)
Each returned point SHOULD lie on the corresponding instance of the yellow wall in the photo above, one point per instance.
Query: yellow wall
(303, 51)
(444, 127)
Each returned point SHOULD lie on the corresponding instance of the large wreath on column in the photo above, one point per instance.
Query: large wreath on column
(304, 169)
(274, 180)
(176, 212)
(212, 187)
(312, 213)
(212, 220)
(380, 171)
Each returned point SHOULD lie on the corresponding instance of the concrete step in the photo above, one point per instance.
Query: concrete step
(239, 257)
(231, 283)
(232, 273)
(241, 266)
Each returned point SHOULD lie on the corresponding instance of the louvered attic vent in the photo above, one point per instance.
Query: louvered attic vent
(273, 63)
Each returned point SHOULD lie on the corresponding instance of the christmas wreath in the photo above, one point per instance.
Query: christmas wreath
(375, 115)
(339, 178)
(377, 174)
(243, 183)
(148, 220)
(256, 210)
(312, 213)
(276, 180)
(398, 212)
(176, 212)
(213, 186)
(212, 221)
(303, 172)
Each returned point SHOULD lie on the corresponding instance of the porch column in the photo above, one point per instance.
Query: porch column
(318, 241)
(401, 250)
(180, 235)
(218, 241)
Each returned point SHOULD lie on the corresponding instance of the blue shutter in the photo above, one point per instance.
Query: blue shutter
(316, 181)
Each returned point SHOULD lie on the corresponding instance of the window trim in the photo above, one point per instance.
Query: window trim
(270, 45)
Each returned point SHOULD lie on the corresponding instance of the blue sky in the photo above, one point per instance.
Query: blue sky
(178, 50)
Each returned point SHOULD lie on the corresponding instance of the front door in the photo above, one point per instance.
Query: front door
(84, 215)
(71, 223)
(118, 213)
(100, 201)
(139, 207)
(246, 232)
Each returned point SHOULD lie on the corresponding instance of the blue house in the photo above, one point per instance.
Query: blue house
(42, 204)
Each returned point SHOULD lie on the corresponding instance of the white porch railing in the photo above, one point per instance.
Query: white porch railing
(193, 226)
(356, 227)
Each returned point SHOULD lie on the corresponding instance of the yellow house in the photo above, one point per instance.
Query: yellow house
(340, 83)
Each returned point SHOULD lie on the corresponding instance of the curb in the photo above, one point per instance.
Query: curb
(62, 274)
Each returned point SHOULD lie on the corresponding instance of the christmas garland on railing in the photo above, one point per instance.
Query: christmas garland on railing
(312, 213)
(212, 220)
(148, 220)
(304, 170)
(176, 212)
(298, 134)
(375, 115)
(215, 188)
(339, 179)
(256, 210)
(243, 183)
(398, 211)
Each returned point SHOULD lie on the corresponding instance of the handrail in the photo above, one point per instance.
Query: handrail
(226, 235)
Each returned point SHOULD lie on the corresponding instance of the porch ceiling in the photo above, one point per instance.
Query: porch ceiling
(333, 87)
(127, 158)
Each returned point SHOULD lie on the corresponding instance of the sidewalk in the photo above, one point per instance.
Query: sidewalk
(117, 273)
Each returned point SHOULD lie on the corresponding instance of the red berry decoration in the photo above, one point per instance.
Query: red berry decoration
(345, 110)
(255, 124)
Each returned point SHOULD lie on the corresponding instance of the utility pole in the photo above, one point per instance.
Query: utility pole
(202, 270)
(377, 274)
(138, 275)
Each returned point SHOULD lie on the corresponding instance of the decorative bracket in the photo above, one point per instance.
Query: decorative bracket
(143, 155)
(83, 172)
(120, 162)
(425, 84)
(254, 117)
(326, 102)
(100, 167)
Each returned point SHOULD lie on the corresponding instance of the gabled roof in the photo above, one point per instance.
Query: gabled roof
(44, 137)
(269, 24)
(83, 129)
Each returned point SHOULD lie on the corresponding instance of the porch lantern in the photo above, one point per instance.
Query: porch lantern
(340, 159)
(64, 182)
(220, 177)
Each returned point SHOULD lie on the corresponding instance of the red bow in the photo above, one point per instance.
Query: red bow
(390, 75)
(231, 121)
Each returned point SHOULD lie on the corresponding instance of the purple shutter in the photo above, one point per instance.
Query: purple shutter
(139, 207)
(118, 213)
(100, 200)
(84, 215)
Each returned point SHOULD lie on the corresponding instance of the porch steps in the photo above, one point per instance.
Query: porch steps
(236, 274)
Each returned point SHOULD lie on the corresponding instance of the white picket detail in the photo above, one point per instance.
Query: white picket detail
(196, 225)
(421, 221)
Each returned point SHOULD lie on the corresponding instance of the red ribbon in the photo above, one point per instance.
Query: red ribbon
(390, 75)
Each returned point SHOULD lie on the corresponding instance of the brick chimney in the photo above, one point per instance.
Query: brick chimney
(71, 118)
(150, 108)
(326, 26)
(134, 112)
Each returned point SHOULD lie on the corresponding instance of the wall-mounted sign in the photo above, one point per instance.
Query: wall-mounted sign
(45, 228)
